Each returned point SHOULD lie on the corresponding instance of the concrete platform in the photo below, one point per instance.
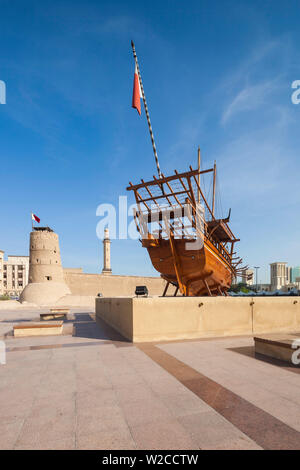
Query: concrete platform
(170, 318)
(38, 329)
(55, 314)
(56, 310)
(284, 347)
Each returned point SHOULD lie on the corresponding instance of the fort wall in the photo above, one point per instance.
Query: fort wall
(111, 285)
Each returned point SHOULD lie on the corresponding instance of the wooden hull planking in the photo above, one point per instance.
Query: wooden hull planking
(196, 272)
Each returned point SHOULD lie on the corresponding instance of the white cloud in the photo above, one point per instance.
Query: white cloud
(249, 98)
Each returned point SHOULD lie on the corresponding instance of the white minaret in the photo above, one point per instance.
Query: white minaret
(106, 253)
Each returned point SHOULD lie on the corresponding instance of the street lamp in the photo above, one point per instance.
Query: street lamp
(256, 269)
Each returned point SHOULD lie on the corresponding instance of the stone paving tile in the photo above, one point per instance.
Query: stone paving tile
(166, 385)
(184, 403)
(291, 393)
(282, 409)
(89, 372)
(105, 418)
(23, 391)
(152, 374)
(209, 430)
(9, 430)
(166, 434)
(87, 366)
(235, 444)
(94, 398)
(13, 405)
(53, 381)
(44, 407)
(131, 394)
(55, 393)
(145, 411)
(86, 384)
(122, 380)
(255, 393)
(58, 444)
(107, 440)
(37, 429)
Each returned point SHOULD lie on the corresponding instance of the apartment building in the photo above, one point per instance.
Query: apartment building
(1, 272)
(14, 274)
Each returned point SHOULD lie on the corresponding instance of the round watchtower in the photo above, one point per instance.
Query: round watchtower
(44, 262)
(46, 279)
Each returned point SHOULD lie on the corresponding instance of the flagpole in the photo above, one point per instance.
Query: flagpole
(146, 111)
(31, 220)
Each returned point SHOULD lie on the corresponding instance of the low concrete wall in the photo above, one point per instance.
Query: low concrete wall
(276, 347)
(167, 318)
(110, 285)
(118, 313)
(283, 314)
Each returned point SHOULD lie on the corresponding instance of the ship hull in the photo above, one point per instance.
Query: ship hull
(196, 272)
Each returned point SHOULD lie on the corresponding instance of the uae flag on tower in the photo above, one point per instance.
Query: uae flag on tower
(137, 94)
(35, 217)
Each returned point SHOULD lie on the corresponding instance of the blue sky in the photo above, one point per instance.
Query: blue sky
(216, 74)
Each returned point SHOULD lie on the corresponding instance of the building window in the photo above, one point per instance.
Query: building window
(49, 278)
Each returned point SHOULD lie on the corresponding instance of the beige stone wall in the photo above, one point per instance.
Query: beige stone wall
(167, 318)
(111, 285)
(73, 270)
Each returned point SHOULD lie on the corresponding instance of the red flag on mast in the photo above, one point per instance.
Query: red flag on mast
(137, 95)
(35, 217)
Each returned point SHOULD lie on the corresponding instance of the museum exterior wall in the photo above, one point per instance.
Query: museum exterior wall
(167, 318)
(110, 285)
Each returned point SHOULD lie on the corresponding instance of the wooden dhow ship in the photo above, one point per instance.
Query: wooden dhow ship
(188, 245)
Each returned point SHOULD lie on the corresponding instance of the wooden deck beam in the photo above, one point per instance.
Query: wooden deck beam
(168, 178)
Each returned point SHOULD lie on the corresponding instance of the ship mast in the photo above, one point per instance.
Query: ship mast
(146, 111)
(214, 189)
(199, 162)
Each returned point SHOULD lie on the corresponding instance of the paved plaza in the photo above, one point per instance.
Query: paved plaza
(93, 390)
